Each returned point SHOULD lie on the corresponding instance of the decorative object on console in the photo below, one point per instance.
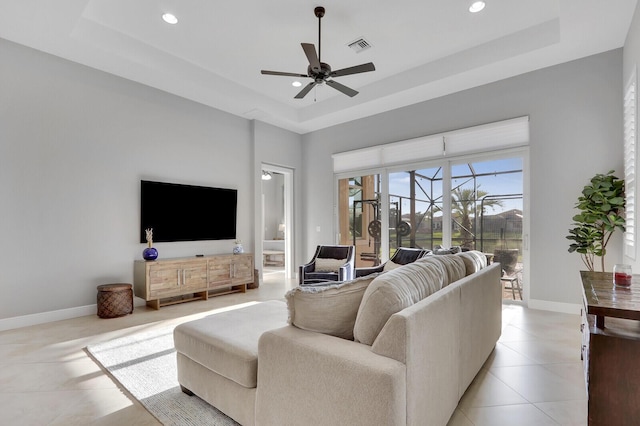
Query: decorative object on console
(622, 275)
(237, 249)
(149, 253)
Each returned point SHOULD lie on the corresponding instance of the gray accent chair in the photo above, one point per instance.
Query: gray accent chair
(309, 275)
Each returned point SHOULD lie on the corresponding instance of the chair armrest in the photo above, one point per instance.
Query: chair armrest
(304, 269)
(345, 273)
(312, 378)
(361, 272)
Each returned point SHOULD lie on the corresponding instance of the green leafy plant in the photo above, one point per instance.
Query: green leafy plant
(601, 208)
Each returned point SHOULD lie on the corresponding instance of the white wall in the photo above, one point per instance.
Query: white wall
(74, 145)
(576, 131)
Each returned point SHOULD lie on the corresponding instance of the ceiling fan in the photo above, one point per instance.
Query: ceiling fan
(321, 72)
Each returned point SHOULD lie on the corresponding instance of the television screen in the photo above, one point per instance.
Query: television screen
(187, 212)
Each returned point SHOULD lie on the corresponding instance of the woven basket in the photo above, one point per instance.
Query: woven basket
(114, 300)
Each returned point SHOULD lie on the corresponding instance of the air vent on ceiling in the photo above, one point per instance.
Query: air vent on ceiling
(359, 45)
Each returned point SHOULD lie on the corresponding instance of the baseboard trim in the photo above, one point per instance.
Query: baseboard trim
(51, 316)
(546, 305)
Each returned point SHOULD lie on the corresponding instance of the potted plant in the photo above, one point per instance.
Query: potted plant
(601, 208)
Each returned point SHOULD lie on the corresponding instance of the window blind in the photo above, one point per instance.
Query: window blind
(630, 118)
(487, 137)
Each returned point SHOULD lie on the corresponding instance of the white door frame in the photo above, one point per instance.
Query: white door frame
(288, 219)
(522, 152)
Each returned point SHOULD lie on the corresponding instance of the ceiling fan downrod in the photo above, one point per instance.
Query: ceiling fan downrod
(319, 12)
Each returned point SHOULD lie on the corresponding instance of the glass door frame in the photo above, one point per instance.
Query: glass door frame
(446, 164)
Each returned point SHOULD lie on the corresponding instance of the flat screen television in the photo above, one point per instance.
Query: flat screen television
(187, 212)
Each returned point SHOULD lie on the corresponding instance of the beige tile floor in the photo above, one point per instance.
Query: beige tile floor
(534, 376)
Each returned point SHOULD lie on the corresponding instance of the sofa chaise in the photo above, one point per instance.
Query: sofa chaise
(392, 348)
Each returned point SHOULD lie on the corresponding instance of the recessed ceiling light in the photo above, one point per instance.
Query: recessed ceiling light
(170, 18)
(476, 6)
(296, 84)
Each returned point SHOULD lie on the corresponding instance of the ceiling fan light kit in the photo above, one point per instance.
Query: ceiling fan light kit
(321, 72)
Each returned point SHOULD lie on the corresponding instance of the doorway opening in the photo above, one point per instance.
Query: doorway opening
(277, 221)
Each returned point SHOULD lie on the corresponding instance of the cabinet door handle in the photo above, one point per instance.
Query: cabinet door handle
(581, 327)
(183, 277)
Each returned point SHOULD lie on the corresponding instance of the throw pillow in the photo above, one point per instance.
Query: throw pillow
(329, 265)
(328, 309)
(391, 292)
(473, 261)
(389, 265)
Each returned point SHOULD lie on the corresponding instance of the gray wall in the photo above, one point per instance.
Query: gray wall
(277, 147)
(576, 131)
(74, 145)
(75, 142)
(272, 190)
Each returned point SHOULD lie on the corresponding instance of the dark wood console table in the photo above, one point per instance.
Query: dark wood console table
(611, 349)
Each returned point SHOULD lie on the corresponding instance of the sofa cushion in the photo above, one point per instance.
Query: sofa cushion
(328, 309)
(227, 343)
(329, 265)
(453, 266)
(473, 261)
(393, 291)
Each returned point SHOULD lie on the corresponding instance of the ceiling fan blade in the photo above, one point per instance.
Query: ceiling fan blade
(312, 56)
(354, 70)
(287, 74)
(342, 88)
(306, 90)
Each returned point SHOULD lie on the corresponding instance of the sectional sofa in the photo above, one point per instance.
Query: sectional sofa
(394, 348)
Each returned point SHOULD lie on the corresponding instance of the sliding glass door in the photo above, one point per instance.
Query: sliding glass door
(359, 217)
(487, 215)
(406, 207)
(415, 208)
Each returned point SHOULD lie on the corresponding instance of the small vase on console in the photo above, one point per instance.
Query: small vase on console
(149, 253)
(238, 249)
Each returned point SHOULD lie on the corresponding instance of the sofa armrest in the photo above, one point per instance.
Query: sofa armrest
(312, 378)
(426, 337)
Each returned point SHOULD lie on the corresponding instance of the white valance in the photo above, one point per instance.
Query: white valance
(487, 137)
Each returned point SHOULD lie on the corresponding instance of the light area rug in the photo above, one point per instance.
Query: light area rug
(144, 364)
